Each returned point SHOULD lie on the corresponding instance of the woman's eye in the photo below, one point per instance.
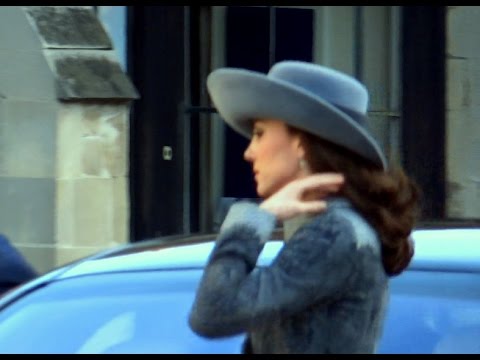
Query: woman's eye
(257, 132)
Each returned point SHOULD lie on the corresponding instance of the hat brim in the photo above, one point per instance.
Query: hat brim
(242, 95)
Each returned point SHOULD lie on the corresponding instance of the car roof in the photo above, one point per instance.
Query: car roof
(455, 249)
(448, 249)
(176, 256)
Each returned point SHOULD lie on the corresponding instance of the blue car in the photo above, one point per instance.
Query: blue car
(136, 299)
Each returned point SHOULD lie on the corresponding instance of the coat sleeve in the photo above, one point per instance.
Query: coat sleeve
(234, 296)
(14, 268)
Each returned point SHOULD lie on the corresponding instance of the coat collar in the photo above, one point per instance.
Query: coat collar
(290, 226)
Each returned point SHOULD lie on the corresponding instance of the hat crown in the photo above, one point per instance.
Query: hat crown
(337, 88)
(317, 99)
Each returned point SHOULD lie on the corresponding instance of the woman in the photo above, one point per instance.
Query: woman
(346, 215)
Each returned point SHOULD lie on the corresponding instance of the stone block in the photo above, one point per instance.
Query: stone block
(457, 138)
(462, 163)
(22, 37)
(28, 139)
(463, 84)
(25, 75)
(463, 31)
(376, 57)
(42, 258)
(92, 212)
(27, 210)
(458, 85)
(92, 141)
(463, 198)
(336, 20)
(65, 255)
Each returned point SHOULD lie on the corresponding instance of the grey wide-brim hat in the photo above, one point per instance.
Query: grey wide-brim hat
(314, 98)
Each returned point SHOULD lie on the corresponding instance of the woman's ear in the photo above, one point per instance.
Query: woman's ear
(300, 147)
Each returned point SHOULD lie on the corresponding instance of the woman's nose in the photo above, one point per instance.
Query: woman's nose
(247, 155)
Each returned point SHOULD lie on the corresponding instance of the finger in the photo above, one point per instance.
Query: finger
(324, 188)
(328, 178)
(321, 180)
(317, 194)
(317, 186)
(312, 207)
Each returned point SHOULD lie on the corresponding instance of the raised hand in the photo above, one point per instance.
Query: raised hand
(303, 196)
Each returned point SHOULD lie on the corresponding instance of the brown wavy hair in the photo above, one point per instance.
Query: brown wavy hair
(388, 199)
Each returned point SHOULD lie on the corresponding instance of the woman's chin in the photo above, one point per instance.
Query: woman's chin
(261, 193)
(264, 193)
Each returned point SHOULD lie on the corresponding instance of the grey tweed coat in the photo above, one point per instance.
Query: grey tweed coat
(325, 292)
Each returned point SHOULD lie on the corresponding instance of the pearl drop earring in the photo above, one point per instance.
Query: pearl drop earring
(303, 164)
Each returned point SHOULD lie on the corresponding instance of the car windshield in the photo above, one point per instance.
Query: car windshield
(138, 312)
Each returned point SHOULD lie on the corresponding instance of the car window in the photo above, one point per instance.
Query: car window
(115, 331)
(433, 312)
(140, 312)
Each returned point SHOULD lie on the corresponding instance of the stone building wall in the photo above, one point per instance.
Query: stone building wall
(64, 112)
(463, 111)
